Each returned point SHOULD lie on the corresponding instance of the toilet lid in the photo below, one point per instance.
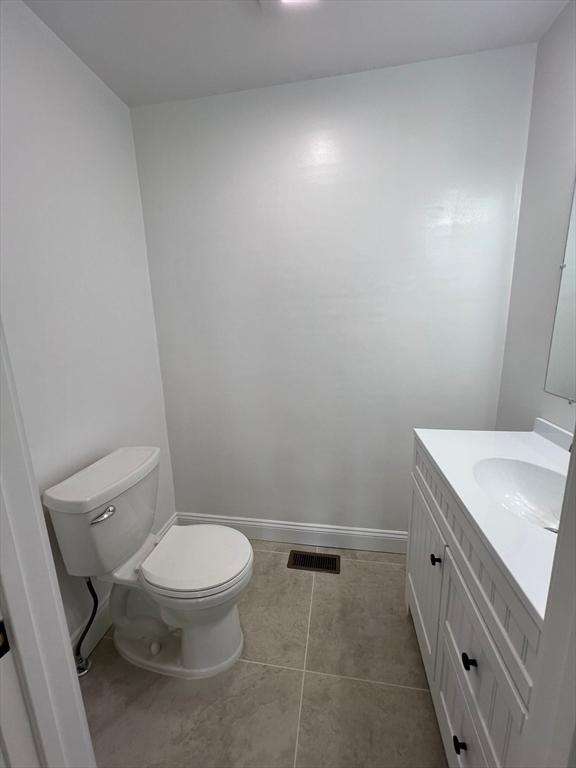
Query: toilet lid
(197, 557)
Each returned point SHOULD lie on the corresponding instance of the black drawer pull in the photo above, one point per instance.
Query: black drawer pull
(434, 559)
(468, 662)
(459, 746)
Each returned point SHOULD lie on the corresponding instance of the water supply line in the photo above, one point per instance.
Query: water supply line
(83, 664)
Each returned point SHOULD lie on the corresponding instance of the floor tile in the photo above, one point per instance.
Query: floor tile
(245, 717)
(358, 554)
(274, 612)
(351, 724)
(259, 545)
(359, 626)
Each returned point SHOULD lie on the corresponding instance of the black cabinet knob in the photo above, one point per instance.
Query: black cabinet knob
(459, 746)
(434, 559)
(467, 662)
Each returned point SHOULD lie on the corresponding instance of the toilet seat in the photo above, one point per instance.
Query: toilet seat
(196, 561)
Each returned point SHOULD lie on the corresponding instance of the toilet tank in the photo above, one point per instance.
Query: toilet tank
(103, 513)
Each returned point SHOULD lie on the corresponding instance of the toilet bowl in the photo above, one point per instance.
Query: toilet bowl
(186, 582)
(194, 576)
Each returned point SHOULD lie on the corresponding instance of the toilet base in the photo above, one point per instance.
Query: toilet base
(167, 660)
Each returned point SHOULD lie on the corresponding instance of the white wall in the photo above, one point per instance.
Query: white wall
(542, 231)
(76, 302)
(331, 265)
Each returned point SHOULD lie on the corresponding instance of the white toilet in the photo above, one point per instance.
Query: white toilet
(185, 584)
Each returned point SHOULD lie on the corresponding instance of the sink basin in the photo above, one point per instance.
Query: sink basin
(524, 489)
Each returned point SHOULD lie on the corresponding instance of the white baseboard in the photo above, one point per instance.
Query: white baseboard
(313, 534)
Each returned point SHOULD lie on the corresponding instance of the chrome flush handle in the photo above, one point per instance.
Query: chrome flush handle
(108, 512)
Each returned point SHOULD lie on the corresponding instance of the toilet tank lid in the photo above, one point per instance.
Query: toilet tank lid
(102, 481)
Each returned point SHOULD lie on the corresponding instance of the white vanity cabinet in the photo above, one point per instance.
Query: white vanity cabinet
(479, 640)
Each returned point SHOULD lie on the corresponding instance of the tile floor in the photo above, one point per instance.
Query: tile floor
(330, 676)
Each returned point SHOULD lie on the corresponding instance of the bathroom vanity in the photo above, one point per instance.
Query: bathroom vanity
(480, 554)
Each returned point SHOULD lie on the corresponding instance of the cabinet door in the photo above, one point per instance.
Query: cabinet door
(491, 694)
(424, 577)
(461, 742)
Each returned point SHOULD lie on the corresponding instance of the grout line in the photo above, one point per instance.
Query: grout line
(365, 680)
(277, 551)
(315, 672)
(372, 562)
(304, 671)
(267, 664)
(332, 674)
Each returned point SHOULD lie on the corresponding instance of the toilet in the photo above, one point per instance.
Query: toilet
(174, 599)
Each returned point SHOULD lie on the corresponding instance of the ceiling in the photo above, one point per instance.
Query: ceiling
(150, 51)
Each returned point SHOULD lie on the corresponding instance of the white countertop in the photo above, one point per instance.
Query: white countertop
(525, 550)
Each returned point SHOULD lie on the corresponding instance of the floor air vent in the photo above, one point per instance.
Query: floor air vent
(314, 561)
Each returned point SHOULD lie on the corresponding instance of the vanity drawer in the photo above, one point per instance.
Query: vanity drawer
(454, 718)
(488, 688)
(512, 625)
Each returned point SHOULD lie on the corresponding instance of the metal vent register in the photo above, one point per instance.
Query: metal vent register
(314, 561)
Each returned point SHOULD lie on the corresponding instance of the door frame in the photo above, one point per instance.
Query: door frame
(31, 599)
